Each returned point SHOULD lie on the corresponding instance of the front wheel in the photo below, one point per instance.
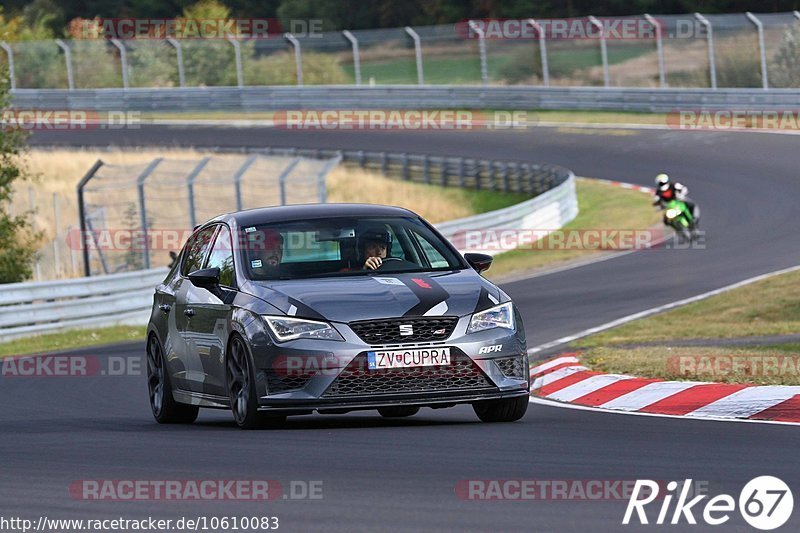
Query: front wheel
(242, 391)
(505, 410)
(165, 409)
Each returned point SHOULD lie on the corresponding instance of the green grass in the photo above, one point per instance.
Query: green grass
(768, 307)
(602, 206)
(761, 365)
(466, 68)
(72, 339)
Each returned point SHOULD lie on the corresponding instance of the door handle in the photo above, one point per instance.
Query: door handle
(165, 307)
(189, 313)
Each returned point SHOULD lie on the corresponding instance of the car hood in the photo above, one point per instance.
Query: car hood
(350, 298)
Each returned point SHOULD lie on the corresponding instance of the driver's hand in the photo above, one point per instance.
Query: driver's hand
(373, 263)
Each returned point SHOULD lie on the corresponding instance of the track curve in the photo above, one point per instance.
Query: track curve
(401, 475)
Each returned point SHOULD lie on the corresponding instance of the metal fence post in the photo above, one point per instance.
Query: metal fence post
(237, 56)
(82, 214)
(143, 207)
(11, 72)
(323, 188)
(712, 67)
(179, 56)
(603, 48)
(762, 48)
(481, 50)
(282, 178)
(190, 179)
(237, 179)
(56, 247)
(68, 60)
(542, 51)
(298, 57)
(123, 58)
(662, 73)
(356, 55)
(417, 52)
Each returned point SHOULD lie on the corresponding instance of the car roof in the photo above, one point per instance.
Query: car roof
(266, 215)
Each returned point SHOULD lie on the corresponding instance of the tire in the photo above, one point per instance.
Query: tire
(163, 405)
(240, 383)
(505, 410)
(399, 411)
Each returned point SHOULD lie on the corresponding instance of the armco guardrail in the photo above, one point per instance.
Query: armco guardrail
(42, 307)
(247, 99)
(548, 211)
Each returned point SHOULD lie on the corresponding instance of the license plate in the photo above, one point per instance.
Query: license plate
(408, 358)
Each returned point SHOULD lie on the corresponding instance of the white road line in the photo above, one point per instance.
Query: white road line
(656, 310)
(582, 388)
(649, 394)
(560, 405)
(747, 402)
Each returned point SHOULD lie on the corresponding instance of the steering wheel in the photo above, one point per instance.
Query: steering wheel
(391, 259)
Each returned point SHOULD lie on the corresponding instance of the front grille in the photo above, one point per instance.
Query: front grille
(278, 382)
(356, 380)
(421, 329)
(512, 367)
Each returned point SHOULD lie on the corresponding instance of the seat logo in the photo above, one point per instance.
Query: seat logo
(406, 329)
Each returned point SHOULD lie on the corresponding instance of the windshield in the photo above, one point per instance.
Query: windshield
(343, 247)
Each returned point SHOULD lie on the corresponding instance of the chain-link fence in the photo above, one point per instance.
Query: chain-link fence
(732, 50)
(133, 216)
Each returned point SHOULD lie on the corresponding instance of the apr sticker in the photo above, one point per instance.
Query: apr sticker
(256, 263)
(249, 230)
(389, 281)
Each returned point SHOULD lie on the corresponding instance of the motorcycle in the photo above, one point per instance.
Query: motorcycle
(678, 216)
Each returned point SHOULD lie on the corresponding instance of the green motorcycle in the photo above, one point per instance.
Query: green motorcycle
(678, 216)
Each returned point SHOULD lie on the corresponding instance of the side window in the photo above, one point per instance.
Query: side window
(436, 259)
(221, 257)
(196, 250)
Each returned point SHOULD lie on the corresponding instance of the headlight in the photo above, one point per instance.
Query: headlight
(501, 316)
(672, 213)
(287, 329)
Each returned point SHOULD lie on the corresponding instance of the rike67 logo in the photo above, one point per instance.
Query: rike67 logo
(765, 503)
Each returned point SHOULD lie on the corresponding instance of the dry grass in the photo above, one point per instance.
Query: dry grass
(436, 204)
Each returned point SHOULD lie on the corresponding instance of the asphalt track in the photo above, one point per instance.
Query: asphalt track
(401, 475)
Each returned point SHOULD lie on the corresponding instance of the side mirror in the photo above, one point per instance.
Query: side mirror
(480, 262)
(206, 278)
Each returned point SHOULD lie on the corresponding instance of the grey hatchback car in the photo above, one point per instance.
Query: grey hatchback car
(331, 308)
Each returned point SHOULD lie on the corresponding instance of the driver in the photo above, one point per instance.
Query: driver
(374, 245)
(267, 254)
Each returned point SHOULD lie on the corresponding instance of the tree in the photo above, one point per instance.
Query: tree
(17, 240)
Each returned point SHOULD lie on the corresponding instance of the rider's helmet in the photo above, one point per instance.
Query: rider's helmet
(662, 182)
(374, 235)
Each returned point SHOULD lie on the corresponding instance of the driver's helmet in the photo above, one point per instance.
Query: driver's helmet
(377, 235)
(662, 182)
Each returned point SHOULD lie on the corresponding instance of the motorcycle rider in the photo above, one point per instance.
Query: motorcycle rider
(667, 190)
